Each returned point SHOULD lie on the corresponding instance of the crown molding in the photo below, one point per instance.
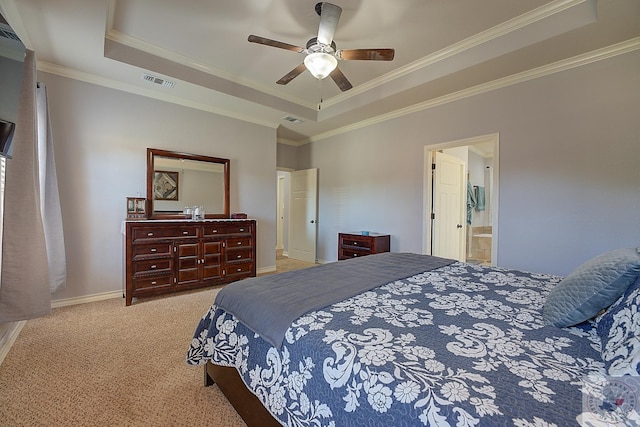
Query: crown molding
(556, 67)
(462, 46)
(289, 142)
(134, 43)
(48, 67)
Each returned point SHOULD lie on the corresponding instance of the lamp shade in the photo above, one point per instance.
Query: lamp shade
(320, 64)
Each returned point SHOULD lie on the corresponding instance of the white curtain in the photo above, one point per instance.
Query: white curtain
(49, 196)
(26, 284)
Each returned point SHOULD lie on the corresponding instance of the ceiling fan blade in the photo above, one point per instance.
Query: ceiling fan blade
(328, 22)
(292, 74)
(274, 43)
(340, 80)
(366, 54)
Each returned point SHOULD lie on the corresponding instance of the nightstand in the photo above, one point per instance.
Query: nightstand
(362, 243)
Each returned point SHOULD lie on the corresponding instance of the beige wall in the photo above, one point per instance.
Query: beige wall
(568, 164)
(100, 139)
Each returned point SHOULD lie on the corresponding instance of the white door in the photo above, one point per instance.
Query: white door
(449, 207)
(304, 211)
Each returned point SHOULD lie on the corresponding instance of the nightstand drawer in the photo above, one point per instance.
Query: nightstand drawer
(358, 241)
(354, 253)
(352, 245)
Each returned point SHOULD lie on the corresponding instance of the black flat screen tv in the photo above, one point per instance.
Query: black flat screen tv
(6, 138)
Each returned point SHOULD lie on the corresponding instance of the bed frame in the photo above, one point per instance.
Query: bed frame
(244, 402)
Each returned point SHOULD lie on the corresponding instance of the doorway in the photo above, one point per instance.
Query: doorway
(479, 231)
(283, 180)
(296, 225)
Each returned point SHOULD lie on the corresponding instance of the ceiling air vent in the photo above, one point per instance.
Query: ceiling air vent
(158, 80)
(7, 33)
(292, 119)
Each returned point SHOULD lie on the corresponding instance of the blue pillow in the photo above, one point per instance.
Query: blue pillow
(592, 287)
(619, 332)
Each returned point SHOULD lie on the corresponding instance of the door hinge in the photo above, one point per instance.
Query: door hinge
(433, 165)
(433, 216)
(175, 249)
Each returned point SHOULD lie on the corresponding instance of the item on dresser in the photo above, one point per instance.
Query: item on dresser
(361, 243)
(239, 215)
(171, 256)
(136, 208)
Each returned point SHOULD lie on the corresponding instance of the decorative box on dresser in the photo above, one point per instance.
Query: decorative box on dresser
(361, 243)
(174, 255)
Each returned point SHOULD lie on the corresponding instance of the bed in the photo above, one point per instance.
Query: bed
(428, 342)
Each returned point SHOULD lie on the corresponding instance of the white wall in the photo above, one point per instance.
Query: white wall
(100, 141)
(569, 175)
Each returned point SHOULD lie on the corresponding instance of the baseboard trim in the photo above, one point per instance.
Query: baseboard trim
(266, 270)
(11, 336)
(85, 299)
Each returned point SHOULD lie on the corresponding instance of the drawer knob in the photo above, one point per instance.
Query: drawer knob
(149, 234)
(154, 250)
(239, 243)
(185, 232)
(355, 243)
(239, 269)
(214, 231)
(154, 282)
(153, 266)
(242, 229)
(239, 256)
(355, 255)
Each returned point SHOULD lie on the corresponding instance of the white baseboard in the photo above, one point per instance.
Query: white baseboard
(10, 337)
(85, 299)
(266, 269)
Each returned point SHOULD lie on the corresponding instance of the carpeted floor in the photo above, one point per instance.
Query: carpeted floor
(104, 364)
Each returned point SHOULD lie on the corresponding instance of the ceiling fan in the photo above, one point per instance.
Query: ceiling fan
(321, 53)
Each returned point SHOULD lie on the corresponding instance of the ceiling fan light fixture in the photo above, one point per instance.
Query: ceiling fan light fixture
(320, 64)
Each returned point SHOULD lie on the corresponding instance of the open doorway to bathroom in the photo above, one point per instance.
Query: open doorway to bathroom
(478, 230)
(479, 220)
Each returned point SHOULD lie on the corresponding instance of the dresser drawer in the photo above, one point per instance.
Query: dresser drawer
(150, 266)
(159, 249)
(153, 282)
(239, 242)
(238, 255)
(243, 269)
(216, 229)
(146, 233)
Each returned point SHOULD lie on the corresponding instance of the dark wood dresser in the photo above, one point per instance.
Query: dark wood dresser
(170, 256)
(357, 244)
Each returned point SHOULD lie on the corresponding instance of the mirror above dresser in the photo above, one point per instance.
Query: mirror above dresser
(176, 181)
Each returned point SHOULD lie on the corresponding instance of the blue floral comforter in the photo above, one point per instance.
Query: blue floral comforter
(462, 345)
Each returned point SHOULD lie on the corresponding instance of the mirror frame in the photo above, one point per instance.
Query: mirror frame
(152, 152)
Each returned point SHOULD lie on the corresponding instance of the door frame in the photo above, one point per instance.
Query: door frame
(428, 185)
